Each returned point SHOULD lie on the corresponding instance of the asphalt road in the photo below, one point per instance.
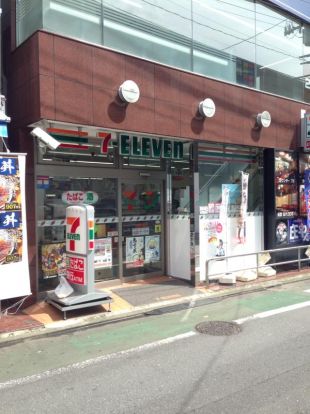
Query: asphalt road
(263, 369)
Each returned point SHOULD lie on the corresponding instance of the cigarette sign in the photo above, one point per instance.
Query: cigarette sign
(76, 269)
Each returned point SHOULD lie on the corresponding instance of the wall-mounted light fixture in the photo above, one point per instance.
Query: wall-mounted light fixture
(129, 91)
(206, 108)
(263, 119)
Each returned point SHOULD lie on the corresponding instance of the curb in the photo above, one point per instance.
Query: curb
(153, 309)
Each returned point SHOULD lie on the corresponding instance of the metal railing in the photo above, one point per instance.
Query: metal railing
(258, 255)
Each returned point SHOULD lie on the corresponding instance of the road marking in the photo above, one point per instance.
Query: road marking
(189, 309)
(266, 314)
(80, 365)
(307, 291)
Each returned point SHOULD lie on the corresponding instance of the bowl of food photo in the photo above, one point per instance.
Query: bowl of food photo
(6, 245)
(6, 190)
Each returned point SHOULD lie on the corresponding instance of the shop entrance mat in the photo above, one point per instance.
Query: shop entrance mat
(147, 293)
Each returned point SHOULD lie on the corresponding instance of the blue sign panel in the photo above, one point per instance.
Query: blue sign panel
(297, 231)
(10, 220)
(8, 166)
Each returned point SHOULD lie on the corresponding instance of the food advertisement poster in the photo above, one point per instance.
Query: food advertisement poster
(152, 249)
(14, 271)
(134, 252)
(53, 259)
(103, 252)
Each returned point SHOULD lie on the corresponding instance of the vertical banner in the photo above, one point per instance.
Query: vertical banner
(243, 207)
(223, 218)
(14, 269)
(307, 196)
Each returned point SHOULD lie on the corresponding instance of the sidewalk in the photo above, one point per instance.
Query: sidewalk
(129, 300)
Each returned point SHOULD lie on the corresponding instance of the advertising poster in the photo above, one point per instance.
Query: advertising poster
(286, 184)
(134, 252)
(307, 195)
(213, 232)
(152, 249)
(281, 232)
(297, 231)
(53, 259)
(14, 268)
(243, 208)
(103, 252)
(11, 237)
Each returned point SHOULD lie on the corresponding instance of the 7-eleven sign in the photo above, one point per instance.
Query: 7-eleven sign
(79, 229)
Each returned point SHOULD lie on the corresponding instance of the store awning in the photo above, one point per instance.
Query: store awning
(299, 8)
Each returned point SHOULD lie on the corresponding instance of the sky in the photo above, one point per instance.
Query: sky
(300, 8)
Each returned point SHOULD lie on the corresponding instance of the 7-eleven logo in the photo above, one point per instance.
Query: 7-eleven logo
(72, 235)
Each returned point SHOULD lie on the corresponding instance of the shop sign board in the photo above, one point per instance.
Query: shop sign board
(76, 267)
(79, 197)
(146, 147)
(79, 229)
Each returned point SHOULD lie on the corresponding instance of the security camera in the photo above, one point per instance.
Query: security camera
(45, 139)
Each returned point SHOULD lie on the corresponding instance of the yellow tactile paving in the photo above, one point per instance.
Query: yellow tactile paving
(118, 303)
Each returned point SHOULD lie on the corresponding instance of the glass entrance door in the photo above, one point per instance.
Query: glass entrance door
(142, 228)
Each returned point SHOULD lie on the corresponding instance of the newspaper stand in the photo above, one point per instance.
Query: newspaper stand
(80, 262)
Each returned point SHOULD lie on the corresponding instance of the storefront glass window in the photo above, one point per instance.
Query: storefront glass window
(157, 29)
(244, 42)
(221, 166)
(279, 51)
(231, 204)
(54, 194)
(224, 40)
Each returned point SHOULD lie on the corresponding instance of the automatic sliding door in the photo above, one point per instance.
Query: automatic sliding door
(142, 228)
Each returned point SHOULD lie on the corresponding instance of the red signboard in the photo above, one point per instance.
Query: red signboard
(76, 270)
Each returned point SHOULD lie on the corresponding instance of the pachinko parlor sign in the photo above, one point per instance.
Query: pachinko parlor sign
(147, 147)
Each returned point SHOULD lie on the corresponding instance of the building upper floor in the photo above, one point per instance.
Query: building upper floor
(244, 42)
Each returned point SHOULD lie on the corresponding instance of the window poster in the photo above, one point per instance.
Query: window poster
(297, 231)
(53, 258)
(103, 252)
(14, 266)
(152, 249)
(134, 252)
(281, 232)
(286, 184)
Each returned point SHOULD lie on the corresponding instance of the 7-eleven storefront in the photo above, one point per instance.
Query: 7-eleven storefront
(140, 188)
